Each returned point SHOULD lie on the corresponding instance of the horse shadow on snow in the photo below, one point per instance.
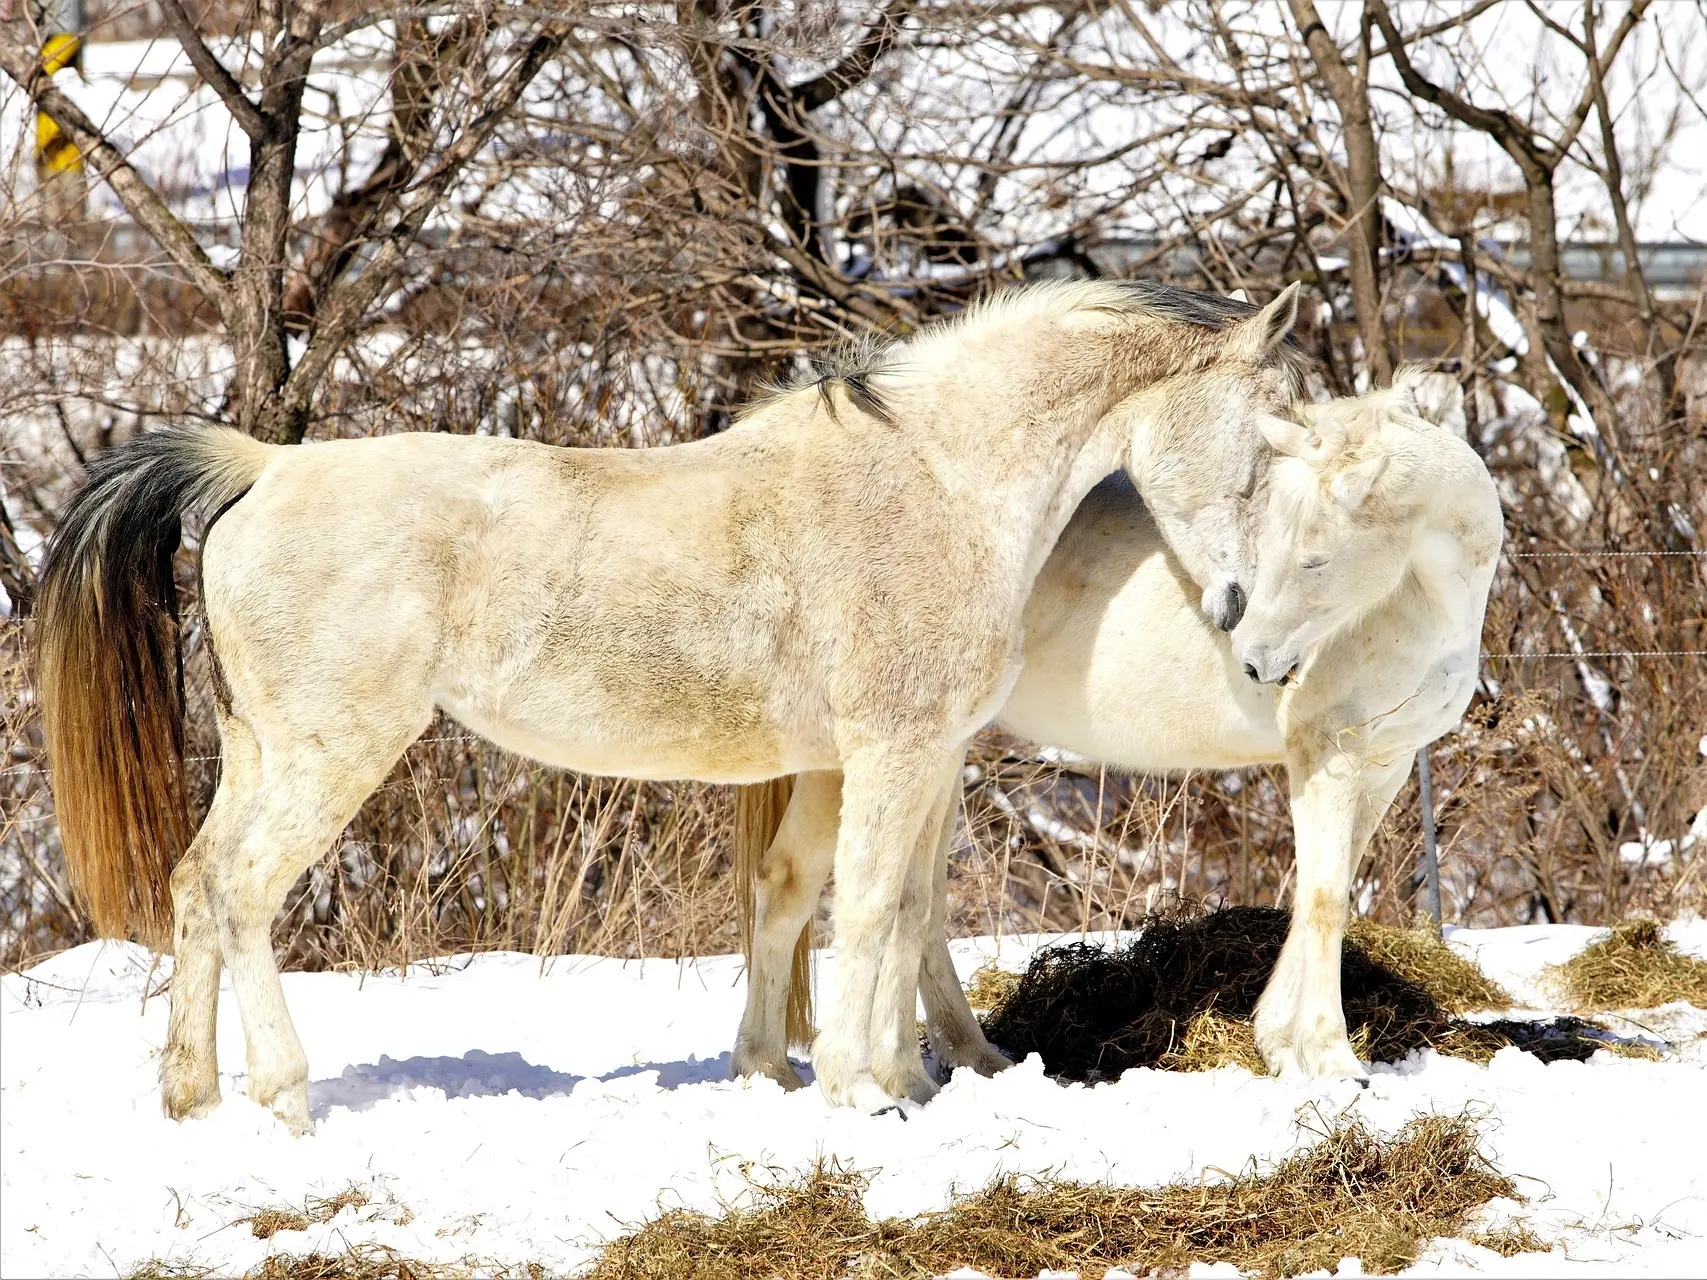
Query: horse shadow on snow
(478, 1074)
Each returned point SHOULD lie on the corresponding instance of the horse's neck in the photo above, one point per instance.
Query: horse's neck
(1455, 546)
(1035, 440)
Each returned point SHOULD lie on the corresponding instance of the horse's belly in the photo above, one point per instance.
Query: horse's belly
(624, 746)
(1143, 689)
(1158, 735)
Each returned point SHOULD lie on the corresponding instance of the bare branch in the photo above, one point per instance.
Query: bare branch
(212, 70)
(826, 88)
(143, 203)
(343, 310)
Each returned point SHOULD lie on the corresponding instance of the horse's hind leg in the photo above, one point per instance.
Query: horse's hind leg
(956, 1038)
(189, 1070)
(791, 876)
(1337, 803)
(310, 786)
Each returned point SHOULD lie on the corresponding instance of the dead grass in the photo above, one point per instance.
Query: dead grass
(1419, 956)
(1212, 1041)
(356, 1262)
(269, 1222)
(989, 985)
(1352, 1194)
(1511, 1240)
(1634, 967)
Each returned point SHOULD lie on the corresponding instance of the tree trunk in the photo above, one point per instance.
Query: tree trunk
(1363, 185)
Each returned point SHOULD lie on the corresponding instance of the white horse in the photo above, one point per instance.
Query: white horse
(1359, 645)
(835, 583)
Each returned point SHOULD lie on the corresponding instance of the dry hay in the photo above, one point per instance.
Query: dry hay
(1508, 1241)
(1350, 1195)
(1634, 967)
(355, 1262)
(989, 985)
(269, 1222)
(1211, 1041)
(1181, 995)
(1420, 956)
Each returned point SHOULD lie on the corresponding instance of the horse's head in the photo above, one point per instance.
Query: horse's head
(1337, 531)
(1199, 456)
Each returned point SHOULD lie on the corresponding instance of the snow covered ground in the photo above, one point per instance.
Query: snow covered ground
(499, 1110)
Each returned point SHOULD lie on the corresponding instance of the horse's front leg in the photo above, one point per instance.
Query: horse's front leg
(888, 792)
(896, 1055)
(1337, 802)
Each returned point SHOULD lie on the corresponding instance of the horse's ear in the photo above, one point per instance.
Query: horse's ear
(1289, 438)
(1239, 295)
(1351, 486)
(1267, 329)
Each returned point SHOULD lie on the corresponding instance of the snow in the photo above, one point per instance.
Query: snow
(505, 1109)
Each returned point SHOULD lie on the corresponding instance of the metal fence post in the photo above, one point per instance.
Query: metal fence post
(1431, 856)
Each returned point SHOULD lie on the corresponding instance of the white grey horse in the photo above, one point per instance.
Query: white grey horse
(835, 583)
(1360, 644)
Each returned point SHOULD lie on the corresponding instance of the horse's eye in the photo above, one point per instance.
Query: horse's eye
(1315, 562)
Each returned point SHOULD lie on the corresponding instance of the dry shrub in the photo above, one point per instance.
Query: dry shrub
(1352, 1194)
(1420, 956)
(1182, 995)
(1634, 967)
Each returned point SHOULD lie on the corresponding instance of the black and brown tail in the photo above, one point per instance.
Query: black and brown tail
(758, 814)
(109, 669)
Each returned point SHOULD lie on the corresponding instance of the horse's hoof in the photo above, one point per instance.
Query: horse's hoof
(189, 1102)
(860, 1091)
(782, 1072)
(985, 1061)
(188, 1089)
(290, 1105)
(1311, 1058)
(908, 1081)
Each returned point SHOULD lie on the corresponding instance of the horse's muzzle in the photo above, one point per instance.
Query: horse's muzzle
(1229, 607)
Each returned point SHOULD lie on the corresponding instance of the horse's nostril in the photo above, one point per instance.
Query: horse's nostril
(1251, 671)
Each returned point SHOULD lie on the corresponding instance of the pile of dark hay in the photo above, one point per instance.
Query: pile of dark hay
(1350, 1195)
(1634, 967)
(1182, 994)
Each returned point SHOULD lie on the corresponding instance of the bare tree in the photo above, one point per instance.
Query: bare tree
(269, 396)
